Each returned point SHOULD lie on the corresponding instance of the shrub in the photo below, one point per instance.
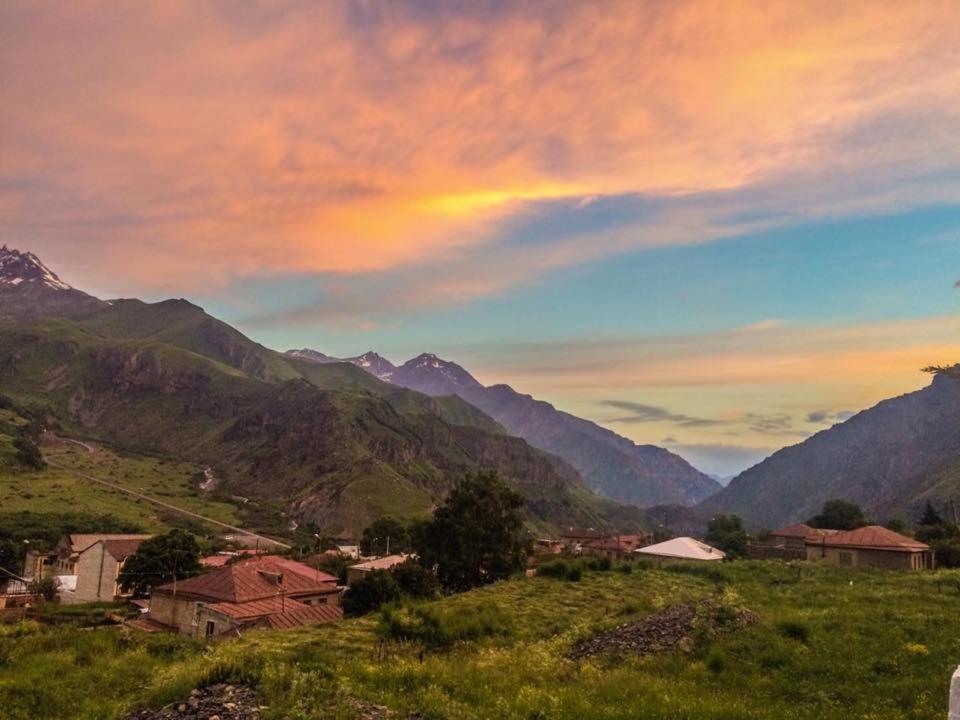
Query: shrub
(370, 593)
(574, 573)
(707, 572)
(716, 662)
(416, 581)
(437, 628)
(601, 564)
(795, 631)
(554, 568)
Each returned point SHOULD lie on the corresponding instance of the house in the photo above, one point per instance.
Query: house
(871, 546)
(97, 570)
(547, 546)
(261, 591)
(357, 572)
(680, 549)
(789, 543)
(614, 547)
(66, 554)
(573, 538)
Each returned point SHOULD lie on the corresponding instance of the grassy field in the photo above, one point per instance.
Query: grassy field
(59, 489)
(829, 644)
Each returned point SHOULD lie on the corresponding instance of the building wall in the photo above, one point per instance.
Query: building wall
(221, 623)
(179, 612)
(856, 557)
(96, 572)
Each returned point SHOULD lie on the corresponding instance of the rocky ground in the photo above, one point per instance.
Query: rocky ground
(675, 628)
(214, 702)
(236, 702)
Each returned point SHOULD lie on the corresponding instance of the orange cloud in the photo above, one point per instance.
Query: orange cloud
(192, 143)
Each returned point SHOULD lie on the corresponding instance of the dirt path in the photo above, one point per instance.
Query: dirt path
(270, 542)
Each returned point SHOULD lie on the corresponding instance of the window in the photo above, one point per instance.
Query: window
(211, 627)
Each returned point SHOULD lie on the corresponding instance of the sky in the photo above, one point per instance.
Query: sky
(715, 226)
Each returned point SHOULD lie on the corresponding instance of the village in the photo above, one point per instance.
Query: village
(254, 588)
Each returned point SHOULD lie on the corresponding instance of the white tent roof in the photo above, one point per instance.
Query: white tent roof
(683, 548)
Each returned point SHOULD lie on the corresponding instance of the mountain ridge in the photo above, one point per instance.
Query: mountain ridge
(618, 468)
(329, 442)
(885, 458)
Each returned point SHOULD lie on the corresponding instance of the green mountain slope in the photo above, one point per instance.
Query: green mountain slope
(337, 445)
(890, 459)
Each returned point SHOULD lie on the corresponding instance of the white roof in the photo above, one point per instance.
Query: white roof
(684, 548)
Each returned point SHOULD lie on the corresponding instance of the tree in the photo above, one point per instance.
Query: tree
(9, 555)
(725, 532)
(384, 536)
(159, 560)
(28, 453)
(414, 580)
(44, 586)
(373, 590)
(477, 536)
(930, 516)
(895, 524)
(839, 515)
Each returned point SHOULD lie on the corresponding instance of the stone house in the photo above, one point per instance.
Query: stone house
(97, 570)
(789, 543)
(261, 591)
(871, 546)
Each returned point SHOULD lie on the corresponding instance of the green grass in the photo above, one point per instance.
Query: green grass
(60, 489)
(830, 644)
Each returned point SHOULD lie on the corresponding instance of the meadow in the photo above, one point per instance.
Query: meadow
(59, 489)
(829, 643)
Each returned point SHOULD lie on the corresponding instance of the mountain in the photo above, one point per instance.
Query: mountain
(311, 355)
(326, 442)
(612, 465)
(29, 288)
(890, 459)
(374, 364)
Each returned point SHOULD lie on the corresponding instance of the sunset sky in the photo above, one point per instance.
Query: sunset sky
(713, 226)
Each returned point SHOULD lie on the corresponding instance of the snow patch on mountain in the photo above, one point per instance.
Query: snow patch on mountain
(24, 267)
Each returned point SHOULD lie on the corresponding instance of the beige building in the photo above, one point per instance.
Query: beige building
(871, 546)
(97, 571)
(357, 572)
(262, 591)
(64, 558)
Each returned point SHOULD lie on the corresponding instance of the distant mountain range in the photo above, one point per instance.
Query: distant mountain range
(614, 466)
(890, 459)
(323, 441)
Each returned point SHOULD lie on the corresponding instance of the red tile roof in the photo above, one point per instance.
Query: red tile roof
(122, 549)
(801, 530)
(255, 578)
(872, 537)
(81, 541)
(278, 612)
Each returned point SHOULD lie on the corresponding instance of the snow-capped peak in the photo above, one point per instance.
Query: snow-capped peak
(375, 364)
(24, 268)
(443, 370)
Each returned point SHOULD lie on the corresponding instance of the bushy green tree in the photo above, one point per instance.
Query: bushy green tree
(930, 516)
(28, 453)
(414, 580)
(160, 560)
(385, 535)
(477, 536)
(725, 532)
(839, 515)
(371, 592)
(9, 555)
